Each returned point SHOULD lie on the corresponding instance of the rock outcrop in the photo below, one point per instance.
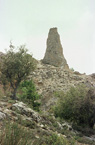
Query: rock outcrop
(22, 108)
(54, 52)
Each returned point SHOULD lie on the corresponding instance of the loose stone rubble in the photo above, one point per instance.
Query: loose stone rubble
(49, 79)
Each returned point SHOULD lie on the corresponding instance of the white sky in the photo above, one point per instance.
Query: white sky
(28, 22)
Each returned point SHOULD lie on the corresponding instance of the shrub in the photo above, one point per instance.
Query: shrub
(29, 94)
(14, 134)
(77, 106)
(72, 69)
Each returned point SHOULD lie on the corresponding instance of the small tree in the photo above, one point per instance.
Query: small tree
(15, 67)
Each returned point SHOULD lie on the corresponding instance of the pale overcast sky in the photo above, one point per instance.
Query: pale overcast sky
(28, 22)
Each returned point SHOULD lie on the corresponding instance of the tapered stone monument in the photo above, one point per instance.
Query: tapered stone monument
(54, 51)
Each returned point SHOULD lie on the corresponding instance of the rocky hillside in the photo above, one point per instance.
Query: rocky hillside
(42, 127)
(50, 79)
(51, 75)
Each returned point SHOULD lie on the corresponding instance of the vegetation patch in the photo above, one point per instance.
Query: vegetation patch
(77, 106)
(54, 139)
(28, 94)
(14, 134)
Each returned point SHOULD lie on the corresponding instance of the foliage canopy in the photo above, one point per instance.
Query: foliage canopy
(15, 67)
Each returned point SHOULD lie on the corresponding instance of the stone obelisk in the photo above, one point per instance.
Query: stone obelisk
(54, 51)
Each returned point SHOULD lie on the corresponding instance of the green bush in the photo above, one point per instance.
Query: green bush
(77, 106)
(29, 94)
(14, 134)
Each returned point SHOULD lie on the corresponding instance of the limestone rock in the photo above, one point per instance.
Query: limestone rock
(22, 108)
(67, 126)
(2, 116)
(54, 52)
(93, 75)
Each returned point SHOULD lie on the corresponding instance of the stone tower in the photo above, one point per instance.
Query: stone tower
(54, 52)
